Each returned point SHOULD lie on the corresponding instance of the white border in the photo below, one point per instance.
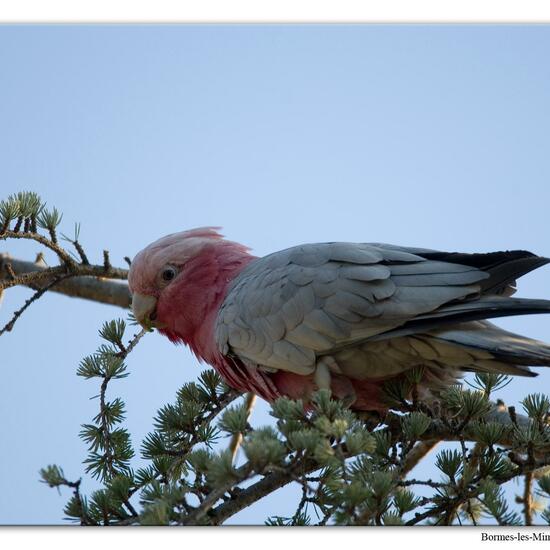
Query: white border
(272, 11)
(275, 11)
(231, 538)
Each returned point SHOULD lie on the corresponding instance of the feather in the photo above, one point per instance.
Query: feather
(373, 311)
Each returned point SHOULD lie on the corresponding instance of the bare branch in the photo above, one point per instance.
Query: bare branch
(417, 453)
(528, 499)
(237, 439)
(90, 283)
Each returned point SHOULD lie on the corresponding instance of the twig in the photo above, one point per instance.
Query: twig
(416, 454)
(454, 503)
(301, 504)
(53, 246)
(9, 325)
(513, 415)
(105, 427)
(75, 485)
(271, 482)
(428, 483)
(237, 439)
(225, 400)
(439, 430)
(90, 282)
(10, 272)
(81, 252)
(528, 499)
(195, 517)
(106, 261)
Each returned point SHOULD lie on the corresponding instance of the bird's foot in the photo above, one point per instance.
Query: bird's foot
(323, 377)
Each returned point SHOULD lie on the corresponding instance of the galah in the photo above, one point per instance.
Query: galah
(341, 316)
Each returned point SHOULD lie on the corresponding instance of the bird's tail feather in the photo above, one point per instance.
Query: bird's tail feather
(512, 352)
(488, 307)
(503, 267)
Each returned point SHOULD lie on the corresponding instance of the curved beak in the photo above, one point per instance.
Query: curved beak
(143, 308)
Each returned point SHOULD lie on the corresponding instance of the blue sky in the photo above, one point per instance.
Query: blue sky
(435, 136)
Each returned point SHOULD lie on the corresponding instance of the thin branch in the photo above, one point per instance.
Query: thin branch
(9, 325)
(106, 261)
(427, 483)
(439, 430)
(53, 246)
(75, 486)
(237, 439)
(10, 271)
(198, 514)
(528, 499)
(251, 494)
(81, 252)
(301, 504)
(108, 455)
(524, 468)
(225, 400)
(89, 283)
(416, 454)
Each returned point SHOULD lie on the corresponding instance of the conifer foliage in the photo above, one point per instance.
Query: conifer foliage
(353, 469)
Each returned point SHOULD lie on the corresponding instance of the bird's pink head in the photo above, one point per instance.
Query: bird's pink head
(178, 282)
(158, 264)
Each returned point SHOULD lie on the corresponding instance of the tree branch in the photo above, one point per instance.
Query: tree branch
(439, 431)
(271, 482)
(93, 284)
(417, 453)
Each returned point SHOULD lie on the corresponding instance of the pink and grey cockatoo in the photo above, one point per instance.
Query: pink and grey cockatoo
(340, 316)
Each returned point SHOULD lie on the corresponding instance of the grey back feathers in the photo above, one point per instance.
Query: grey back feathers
(285, 310)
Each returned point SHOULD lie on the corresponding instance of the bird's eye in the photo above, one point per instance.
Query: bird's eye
(169, 273)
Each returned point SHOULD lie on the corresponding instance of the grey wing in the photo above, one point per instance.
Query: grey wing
(288, 308)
